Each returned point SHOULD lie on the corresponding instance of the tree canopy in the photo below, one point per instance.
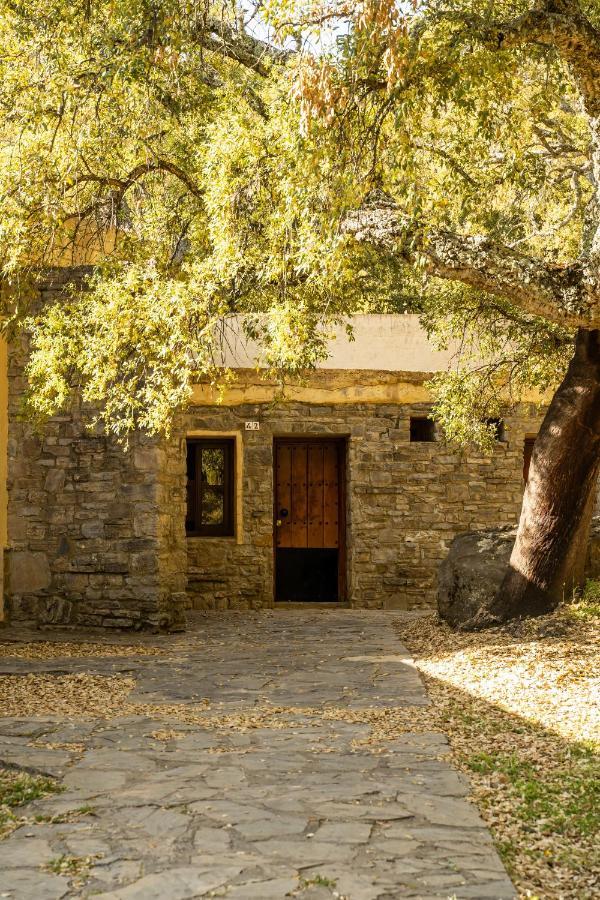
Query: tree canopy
(220, 158)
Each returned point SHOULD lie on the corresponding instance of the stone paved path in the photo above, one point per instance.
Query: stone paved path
(302, 810)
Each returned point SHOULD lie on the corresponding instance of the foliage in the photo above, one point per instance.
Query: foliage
(587, 606)
(205, 174)
(77, 866)
(501, 357)
(435, 112)
(19, 788)
(564, 799)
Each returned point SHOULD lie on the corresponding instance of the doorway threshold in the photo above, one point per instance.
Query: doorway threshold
(303, 604)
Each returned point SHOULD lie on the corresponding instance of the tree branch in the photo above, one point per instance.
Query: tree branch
(558, 294)
(223, 38)
(120, 186)
(555, 23)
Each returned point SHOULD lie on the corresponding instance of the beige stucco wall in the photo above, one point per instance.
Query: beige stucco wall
(391, 343)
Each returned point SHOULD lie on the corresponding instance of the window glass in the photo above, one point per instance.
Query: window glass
(498, 429)
(210, 487)
(213, 475)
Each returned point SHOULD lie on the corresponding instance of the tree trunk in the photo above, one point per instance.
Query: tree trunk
(548, 558)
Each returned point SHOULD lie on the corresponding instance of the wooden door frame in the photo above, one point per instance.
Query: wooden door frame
(341, 442)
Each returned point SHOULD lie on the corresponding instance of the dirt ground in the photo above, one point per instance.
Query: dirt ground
(521, 707)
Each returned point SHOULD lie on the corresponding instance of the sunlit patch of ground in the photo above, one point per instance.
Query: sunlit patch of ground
(521, 707)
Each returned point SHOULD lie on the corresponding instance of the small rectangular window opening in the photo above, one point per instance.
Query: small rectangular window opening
(210, 487)
(422, 429)
(527, 452)
(499, 429)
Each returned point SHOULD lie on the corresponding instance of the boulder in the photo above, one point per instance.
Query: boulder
(469, 577)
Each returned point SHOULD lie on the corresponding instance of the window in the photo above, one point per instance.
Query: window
(498, 429)
(210, 487)
(422, 429)
(527, 451)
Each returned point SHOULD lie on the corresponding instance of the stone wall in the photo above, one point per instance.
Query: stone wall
(91, 535)
(96, 534)
(405, 501)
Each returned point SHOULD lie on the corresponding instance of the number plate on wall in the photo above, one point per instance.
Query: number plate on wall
(252, 426)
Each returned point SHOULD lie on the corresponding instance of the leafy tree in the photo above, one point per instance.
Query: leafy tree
(297, 160)
(478, 123)
(157, 140)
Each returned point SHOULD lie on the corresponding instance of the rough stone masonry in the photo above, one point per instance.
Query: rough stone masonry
(96, 533)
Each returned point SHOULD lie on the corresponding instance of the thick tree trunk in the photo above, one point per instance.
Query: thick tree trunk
(549, 553)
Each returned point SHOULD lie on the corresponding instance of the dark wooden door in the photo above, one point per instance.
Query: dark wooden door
(309, 504)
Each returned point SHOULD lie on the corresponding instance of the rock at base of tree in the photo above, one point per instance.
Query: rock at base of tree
(470, 576)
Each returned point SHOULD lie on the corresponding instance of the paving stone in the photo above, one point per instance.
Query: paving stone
(49, 762)
(28, 884)
(394, 848)
(344, 832)
(375, 812)
(176, 884)
(442, 810)
(227, 813)
(302, 853)
(91, 781)
(271, 889)
(211, 839)
(116, 871)
(354, 884)
(117, 759)
(274, 826)
(24, 852)
(494, 890)
(160, 823)
(225, 777)
(31, 728)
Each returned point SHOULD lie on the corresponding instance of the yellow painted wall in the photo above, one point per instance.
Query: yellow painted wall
(3, 462)
(327, 386)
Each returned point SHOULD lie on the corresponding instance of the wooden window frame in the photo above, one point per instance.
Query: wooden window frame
(227, 527)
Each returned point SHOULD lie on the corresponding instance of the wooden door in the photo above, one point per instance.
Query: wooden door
(307, 504)
(309, 499)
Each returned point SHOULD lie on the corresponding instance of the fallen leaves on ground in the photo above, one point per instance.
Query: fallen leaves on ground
(65, 649)
(166, 735)
(520, 707)
(77, 696)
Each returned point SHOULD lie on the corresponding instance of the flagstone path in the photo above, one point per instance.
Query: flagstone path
(302, 809)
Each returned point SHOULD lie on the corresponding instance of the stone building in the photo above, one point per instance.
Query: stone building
(342, 492)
